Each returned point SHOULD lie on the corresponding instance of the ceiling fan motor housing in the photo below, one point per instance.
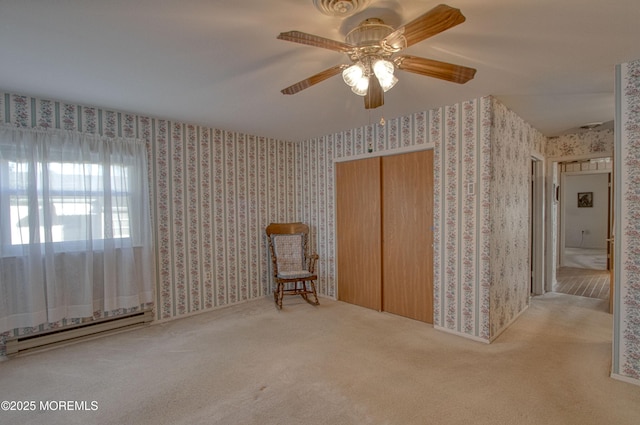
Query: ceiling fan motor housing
(369, 32)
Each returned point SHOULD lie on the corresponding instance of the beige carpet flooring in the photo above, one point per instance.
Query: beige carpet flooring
(333, 364)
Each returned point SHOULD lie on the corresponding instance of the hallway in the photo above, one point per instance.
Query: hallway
(582, 282)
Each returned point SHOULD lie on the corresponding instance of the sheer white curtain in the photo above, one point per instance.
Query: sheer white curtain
(75, 231)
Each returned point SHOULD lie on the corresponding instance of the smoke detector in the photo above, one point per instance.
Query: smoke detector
(341, 8)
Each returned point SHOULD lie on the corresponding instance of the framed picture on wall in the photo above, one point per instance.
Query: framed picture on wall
(585, 199)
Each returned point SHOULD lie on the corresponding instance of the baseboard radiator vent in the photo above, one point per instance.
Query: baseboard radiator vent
(49, 339)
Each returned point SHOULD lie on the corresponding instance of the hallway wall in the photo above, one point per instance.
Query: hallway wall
(586, 227)
(626, 336)
(513, 141)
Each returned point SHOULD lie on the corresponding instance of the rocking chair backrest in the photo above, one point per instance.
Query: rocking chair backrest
(288, 244)
(289, 252)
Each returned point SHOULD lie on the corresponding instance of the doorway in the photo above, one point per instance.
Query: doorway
(585, 213)
(584, 217)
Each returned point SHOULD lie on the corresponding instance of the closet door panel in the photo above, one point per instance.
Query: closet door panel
(407, 228)
(358, 214)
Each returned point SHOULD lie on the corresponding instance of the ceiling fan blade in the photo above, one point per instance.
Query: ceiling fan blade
(438, 19)
(375, 95)
(314, 79)
(433, 68)
(314, 40)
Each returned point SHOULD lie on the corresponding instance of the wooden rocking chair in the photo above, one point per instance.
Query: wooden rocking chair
(292, 267)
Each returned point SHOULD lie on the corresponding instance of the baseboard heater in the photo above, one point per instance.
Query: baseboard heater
(47, 339)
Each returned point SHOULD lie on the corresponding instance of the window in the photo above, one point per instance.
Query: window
(75, 230)
(76, 202)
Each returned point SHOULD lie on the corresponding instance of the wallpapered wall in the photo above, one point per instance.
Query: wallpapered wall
(462, 224)
(213, 193)
(478, 143)
(512, 143)
(626, 361)
(580, 144)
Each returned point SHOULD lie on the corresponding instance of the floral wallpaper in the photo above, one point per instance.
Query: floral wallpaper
(512, 143)
(584, 143)
(213, 193)
(626, 362)
(480, 277)
(462, 158)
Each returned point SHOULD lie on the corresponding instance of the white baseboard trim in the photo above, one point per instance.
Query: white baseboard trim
(452, 332)
(626, 379)
(478, 339)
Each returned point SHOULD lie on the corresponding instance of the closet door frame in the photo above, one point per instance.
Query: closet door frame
(399, 151)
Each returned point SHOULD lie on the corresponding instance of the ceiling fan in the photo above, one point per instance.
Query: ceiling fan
(371, 47)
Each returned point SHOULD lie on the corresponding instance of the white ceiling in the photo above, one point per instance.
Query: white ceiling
(218, 63)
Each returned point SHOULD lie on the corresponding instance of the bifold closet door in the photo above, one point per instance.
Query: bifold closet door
(358, 236)
(407, 228)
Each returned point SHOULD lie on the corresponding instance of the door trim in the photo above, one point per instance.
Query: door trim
(552, 233)
(538, 224)
(398, 151)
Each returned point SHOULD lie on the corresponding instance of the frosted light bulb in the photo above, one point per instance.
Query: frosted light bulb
(361, 87)
(353, 74)
(383, 69)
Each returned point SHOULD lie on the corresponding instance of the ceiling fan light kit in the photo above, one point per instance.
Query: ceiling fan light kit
(371, 46)
(357, 76)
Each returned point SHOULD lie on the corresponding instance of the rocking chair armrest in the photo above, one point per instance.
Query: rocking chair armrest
(312, 262)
